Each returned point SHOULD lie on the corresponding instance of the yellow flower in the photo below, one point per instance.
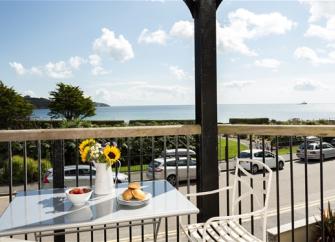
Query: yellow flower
(112, 154)
(86, 143)
(84, 153)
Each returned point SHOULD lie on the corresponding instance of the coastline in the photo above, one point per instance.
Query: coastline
(280, 112)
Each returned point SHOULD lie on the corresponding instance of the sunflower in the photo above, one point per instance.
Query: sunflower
(84, 153)
(84, 148)
(86, 143)
(112, 154)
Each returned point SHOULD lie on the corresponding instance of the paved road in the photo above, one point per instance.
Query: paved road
(313, 176)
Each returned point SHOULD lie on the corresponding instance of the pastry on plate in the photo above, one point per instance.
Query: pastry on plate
(134, 185)
(138, 194)
(127, 195)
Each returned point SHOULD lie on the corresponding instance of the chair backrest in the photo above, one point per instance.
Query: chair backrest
(257, 186)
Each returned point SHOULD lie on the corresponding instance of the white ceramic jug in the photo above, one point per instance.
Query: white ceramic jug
(104, 182)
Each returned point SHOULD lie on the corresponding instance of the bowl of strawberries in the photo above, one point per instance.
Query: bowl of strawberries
(79, 195)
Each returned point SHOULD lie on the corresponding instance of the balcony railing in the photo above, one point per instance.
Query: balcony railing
(295, 195)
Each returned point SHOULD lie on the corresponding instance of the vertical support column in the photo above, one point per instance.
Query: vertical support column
(204, 13)
(58, 162)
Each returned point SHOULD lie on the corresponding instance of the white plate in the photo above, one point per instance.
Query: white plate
(133, 202)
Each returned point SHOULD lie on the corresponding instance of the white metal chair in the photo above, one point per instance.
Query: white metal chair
(227, 228)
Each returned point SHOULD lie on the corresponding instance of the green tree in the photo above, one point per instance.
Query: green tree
(13, 107)
(70, 103)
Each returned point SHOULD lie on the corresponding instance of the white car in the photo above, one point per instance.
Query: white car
(157, 167)
(257, 154)
(83, 178)
(181, 152)
(313, 151)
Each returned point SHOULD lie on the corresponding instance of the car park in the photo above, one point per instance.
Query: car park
(257, 154)
(313, 151)
(83, 176)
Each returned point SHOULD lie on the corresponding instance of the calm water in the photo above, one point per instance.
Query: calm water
(225, 111)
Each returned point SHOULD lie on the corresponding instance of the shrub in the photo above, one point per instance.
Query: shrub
(18, 170)
(328, 225)
(249, 121)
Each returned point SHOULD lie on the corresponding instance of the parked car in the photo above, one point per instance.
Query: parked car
(257, 154)
(312, 139)
(313, 151)
(181, 152)
(84, 176)
(157, 167)
(332, 142)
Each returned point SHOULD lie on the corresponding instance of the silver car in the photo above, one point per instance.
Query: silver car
(257, 154)
(313, 151)
(83, 178)
(157, 168)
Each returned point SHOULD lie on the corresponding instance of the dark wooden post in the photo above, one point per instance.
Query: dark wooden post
(204, 14)
(58, 162)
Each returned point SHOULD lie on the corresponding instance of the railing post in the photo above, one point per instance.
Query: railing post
(58, 162)
(204, 14)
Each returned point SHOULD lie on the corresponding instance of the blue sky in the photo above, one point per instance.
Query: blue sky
(142, 52)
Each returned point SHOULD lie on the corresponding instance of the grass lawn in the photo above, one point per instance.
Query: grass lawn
(286, 150)
(232, 148)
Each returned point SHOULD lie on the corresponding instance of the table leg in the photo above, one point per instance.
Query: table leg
(158, 224)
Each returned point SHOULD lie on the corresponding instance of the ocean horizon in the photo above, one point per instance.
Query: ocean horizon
(280, 112)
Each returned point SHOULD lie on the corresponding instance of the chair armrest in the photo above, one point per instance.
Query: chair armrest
(209, 192)
(235, 217)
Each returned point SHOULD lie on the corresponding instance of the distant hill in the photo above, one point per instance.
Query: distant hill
(40, 102)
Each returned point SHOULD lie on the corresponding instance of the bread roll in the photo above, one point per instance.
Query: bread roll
(127, 195)
(134, 185)
(138, 194)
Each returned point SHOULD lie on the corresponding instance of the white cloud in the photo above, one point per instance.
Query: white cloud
(156, 37)
(308, 54)
(36, 71)
(58, 70)
(242, 25)
(76, 61)
(99, 71)
(320, 9)
(117, 47)
(62, 69)
(179, 73)
(182, 29)
(136, 92)
(268, 63)
(94, 60)
(238, 84)
(325, 33)
(307, 85)
(28, 93)
(245, 25)
(18, 68)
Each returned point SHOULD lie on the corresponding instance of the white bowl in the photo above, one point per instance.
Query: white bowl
(78, 199)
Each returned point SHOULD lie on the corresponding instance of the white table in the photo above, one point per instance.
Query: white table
(49, 210)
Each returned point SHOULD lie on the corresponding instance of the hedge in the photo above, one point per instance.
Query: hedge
(249, 121)
(159, 122)
(18, 170)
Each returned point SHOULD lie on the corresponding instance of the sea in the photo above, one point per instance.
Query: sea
(280, 112)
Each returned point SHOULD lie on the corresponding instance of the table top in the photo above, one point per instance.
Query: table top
(49, 209)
